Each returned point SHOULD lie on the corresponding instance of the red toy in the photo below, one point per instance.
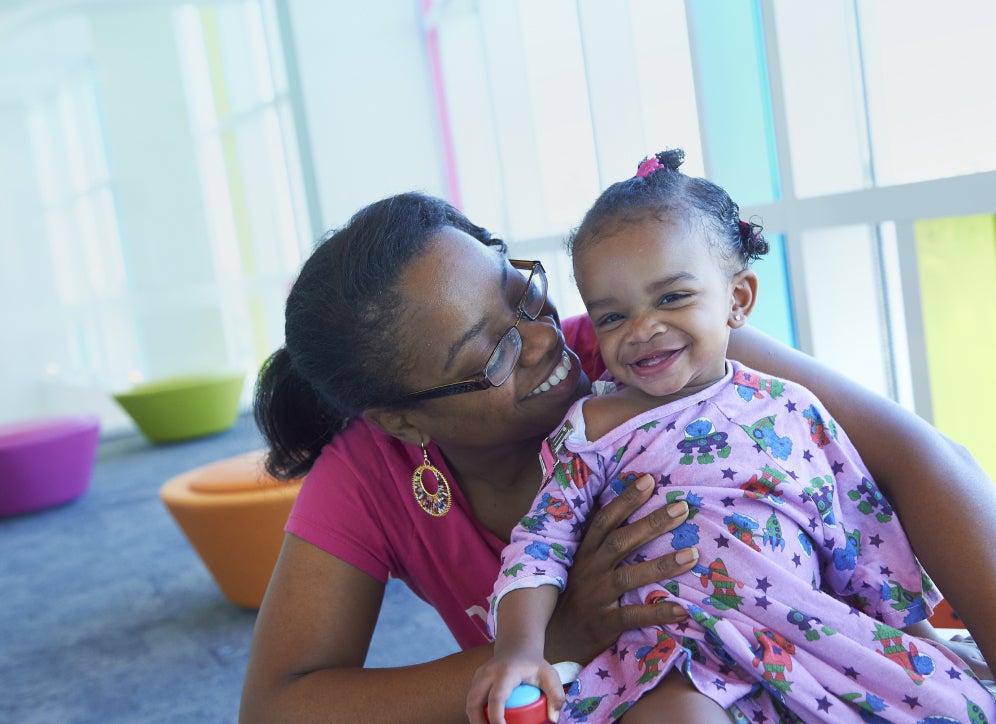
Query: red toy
(525, 705)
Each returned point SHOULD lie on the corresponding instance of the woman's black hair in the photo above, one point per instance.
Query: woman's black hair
(660, 188)
(343, 345)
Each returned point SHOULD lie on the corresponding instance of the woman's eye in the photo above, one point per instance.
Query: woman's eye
(530, 298)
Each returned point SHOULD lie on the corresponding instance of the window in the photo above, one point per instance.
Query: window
(161, 208)
(249, 169)
(550, 102)
(83, 240)
(840, 127)
(886, 92)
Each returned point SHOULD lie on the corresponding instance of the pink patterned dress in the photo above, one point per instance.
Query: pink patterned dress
(804, 579)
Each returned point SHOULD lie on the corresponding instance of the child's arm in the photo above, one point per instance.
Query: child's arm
(521, 619)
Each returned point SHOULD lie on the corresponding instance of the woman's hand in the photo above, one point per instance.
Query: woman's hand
(963, 646)
(966, 649)
(588, 618)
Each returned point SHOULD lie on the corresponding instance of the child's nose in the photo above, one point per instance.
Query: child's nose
(646, 326)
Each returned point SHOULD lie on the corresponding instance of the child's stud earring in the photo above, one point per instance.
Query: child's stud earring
(737, 317)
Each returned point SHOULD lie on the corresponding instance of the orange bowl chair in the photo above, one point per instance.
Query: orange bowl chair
(233, 513)
(945, 617)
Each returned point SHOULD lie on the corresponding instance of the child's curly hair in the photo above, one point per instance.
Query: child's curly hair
(659, 188)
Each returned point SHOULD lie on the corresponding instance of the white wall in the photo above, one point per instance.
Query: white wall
(367, 100)
(365, 103)
(161, 219)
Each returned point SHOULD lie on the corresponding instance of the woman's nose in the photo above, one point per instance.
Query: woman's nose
(539, 336)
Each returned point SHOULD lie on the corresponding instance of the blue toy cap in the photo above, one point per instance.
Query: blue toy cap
(522, 695)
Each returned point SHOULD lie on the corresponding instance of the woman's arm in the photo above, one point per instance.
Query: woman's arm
(964, 648)
(319, 613)
(311, 640)
(945, 501)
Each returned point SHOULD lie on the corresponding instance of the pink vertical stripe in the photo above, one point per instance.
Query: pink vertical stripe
(439, 90)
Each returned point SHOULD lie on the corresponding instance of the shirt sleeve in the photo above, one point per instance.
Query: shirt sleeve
(336, 510)
(543, 544)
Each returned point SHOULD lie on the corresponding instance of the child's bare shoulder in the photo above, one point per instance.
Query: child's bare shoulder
(604, 413)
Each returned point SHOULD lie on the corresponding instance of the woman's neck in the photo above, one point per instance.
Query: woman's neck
(501, 467)
(499, 483)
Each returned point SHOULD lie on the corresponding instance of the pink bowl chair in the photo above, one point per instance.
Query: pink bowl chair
(46, 462)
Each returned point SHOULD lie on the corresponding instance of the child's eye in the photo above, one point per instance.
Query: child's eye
(607, 320)
(671, 298)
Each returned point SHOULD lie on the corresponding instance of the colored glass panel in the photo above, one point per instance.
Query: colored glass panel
(957, 266)
(773, 313)
(734, 99)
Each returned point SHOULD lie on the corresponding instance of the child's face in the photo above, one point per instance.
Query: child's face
(662, 304)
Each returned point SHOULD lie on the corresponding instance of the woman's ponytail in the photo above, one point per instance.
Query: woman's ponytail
(292, 418)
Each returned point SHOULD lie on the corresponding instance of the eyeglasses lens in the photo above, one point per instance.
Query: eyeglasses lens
(506, 355)
(535, 296)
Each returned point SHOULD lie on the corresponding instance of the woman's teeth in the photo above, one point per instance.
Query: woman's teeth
(558, 375)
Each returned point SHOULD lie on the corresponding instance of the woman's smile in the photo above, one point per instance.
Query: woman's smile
(559, 374)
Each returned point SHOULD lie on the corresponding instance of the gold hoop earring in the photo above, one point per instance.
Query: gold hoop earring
(435, 504)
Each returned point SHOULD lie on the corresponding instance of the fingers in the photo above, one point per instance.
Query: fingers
(493, 684)
(607, 519)
(493, 708)
(486, 698)
(613, 542)
(604, 531)
(588, 610)
(549, 682)
(649, 615)
(630, 577)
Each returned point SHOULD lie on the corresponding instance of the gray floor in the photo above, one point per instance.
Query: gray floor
(109, 616)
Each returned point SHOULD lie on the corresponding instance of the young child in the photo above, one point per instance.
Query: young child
(805, 579)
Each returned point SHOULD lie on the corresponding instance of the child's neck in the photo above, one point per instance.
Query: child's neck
(652, 401)
(604, 414)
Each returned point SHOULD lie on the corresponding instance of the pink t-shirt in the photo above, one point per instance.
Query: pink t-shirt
(357, 504)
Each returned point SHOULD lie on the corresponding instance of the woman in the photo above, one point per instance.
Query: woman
(388, 327)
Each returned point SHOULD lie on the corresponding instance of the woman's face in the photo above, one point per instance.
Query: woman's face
(462, 298)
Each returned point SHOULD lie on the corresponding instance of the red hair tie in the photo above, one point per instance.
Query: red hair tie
(746, 232)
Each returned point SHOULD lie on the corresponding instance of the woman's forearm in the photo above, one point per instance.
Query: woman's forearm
(945, 501)
(433, 692)
(311, 639)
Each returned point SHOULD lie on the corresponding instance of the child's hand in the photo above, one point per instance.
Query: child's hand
(494, 681)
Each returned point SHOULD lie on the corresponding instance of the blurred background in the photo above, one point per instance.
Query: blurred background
(166, 166)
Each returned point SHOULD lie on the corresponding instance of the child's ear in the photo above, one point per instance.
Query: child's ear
(744, 294)
(396, 423)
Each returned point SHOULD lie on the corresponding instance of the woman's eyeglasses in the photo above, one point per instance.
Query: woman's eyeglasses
(505, 356)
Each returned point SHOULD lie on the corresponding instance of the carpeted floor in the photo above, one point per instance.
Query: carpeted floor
(108, 614)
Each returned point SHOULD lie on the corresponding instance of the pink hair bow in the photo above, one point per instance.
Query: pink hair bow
(648, 166)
